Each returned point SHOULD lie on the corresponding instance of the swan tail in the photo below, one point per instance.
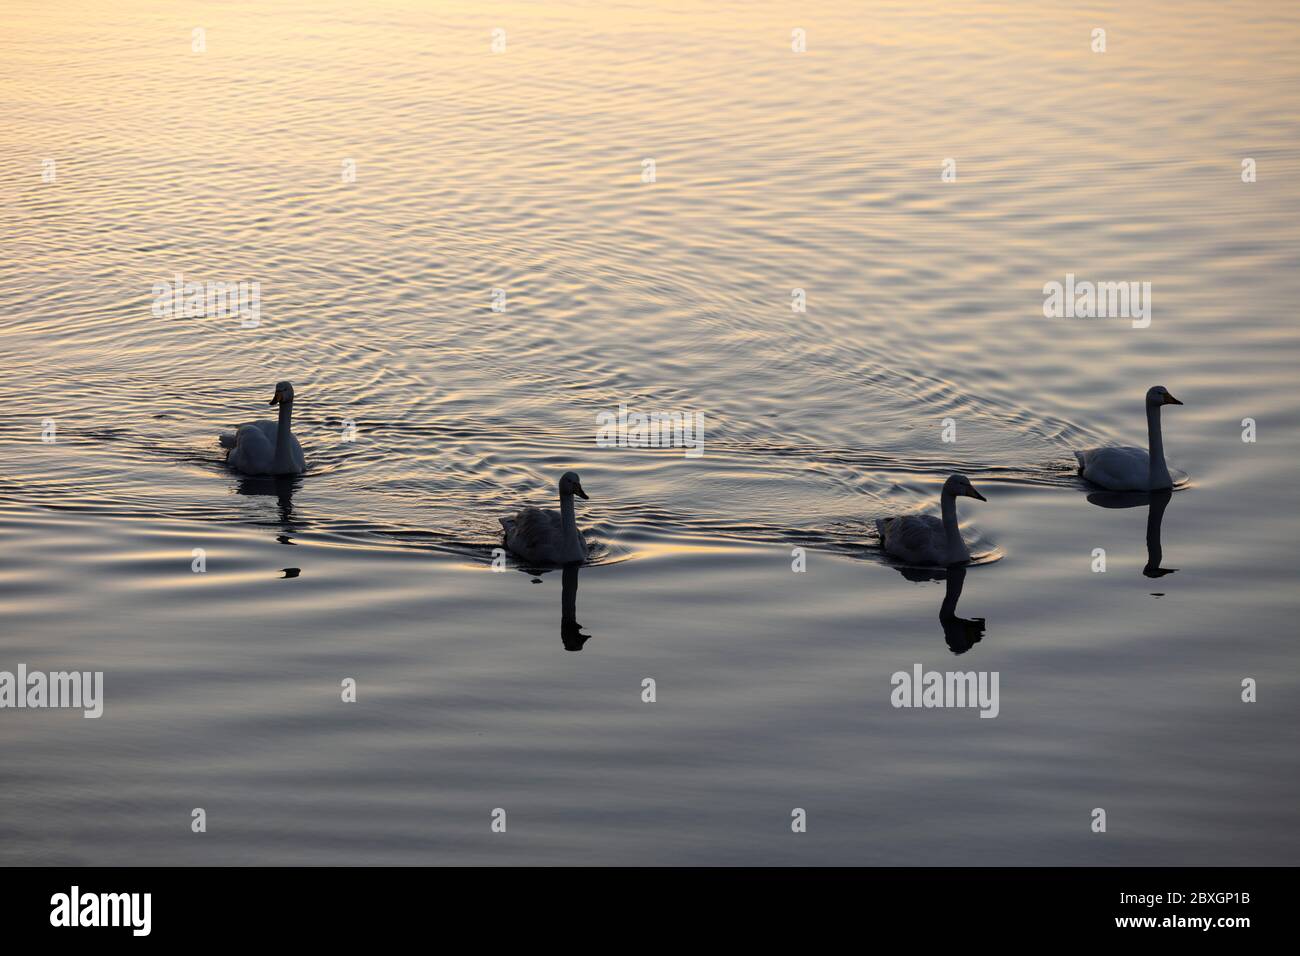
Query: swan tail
(227, 439)
(507, 524)
(1082, 459)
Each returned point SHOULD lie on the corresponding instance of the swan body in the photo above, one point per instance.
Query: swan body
(1125, 468)
(267, 447)
(1117, 467)
(544, 536)
(925, 540)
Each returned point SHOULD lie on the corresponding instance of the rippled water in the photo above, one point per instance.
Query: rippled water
(522, 171)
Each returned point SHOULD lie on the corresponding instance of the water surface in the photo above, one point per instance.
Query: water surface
(522, 171)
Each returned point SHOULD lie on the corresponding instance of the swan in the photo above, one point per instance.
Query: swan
(266, 447)
(1124, 468)
(926, 540)
(543, 536)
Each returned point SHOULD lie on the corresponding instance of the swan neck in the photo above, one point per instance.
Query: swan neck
(950, 530)
(283, 440)
(568, 522)
(1156, 449)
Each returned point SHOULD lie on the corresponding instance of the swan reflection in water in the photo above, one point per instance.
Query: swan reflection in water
(960, 633)
(570, 630)
(1156, 502)
(282, 488)
(571, 635)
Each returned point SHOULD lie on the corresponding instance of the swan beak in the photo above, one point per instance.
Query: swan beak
(276, 400)
(1170, 400)
(580, 493)
(975, 494)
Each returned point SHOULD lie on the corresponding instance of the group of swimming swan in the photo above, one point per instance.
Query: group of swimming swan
(928, 541)
(542, 536)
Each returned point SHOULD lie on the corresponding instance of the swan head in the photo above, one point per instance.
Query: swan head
(571, 484)
(959, 486)
(283, 394)
(1159, 395)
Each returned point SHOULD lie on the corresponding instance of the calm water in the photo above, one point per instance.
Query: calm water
(522, 171)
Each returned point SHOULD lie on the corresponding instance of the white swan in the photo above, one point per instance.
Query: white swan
(1124, 468)
(266, 447)
(543, 536)
(927, 541)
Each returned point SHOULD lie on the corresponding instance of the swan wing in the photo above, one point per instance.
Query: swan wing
(266, 426)
(295, 452)
(252, 447)
(917, 539)
(1116, 467)
(534, 534)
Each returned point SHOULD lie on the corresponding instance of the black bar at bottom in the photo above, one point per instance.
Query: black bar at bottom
(335, 906)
